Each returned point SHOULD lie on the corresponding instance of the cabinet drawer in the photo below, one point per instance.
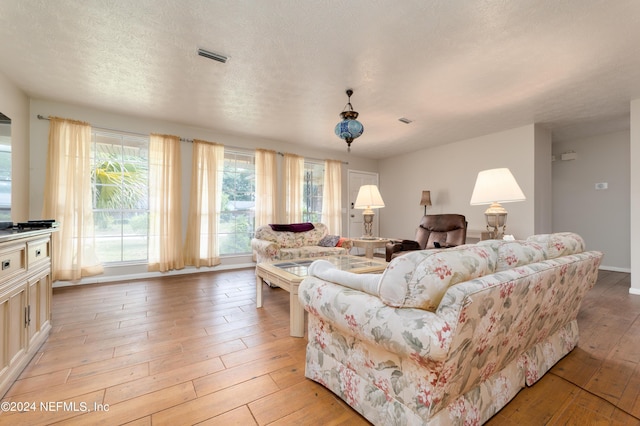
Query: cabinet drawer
(38, 251)
(12, 261)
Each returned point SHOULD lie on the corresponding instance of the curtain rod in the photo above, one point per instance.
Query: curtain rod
(42, 117)
(312, 159)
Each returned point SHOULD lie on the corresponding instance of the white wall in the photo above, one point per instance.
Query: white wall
(634, 195)
(543, 205)
(601, 217)
(449, 172)
(15, 105)
(39, 138)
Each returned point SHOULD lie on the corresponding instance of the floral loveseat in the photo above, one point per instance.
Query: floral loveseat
(447, 336)
(304, 241)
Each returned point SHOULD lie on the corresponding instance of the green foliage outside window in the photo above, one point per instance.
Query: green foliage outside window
(237, 217)
(312, 193)
(120, 180)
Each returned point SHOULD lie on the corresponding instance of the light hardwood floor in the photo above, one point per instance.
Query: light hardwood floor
(195, 350)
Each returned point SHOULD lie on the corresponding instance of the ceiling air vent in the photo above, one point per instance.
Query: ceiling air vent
(404, 120)
(211, 55)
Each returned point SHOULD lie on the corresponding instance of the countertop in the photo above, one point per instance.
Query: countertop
(15, 233)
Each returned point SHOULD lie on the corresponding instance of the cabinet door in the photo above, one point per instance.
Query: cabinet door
(38, 304)
(13, 305)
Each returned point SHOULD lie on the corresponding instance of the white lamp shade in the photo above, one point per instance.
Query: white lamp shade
(496, 186)
(369, 198)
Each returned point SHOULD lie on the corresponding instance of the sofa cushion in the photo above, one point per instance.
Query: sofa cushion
(511, 254)
(559, 244)
(308, 252)
(419, 279)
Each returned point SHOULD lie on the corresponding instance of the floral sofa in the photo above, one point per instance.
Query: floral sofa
(447, 336)
(305, 240)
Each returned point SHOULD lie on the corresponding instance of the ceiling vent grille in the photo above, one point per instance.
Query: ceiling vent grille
(404, 120)
(212, 55)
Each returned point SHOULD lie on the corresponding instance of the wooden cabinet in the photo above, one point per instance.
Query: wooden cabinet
(25, 299)
(13, 301)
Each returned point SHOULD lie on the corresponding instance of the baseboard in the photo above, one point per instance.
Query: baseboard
(186, 271)
(615, 269)
(146, 275)
(632, 290)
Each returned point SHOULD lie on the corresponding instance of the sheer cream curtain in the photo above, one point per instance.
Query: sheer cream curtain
(165, 235)
(67, 199)
(292, 180)
(266, 187)
(332, 196)
(201, 246)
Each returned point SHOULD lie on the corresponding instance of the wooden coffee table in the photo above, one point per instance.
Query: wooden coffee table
(287, 274)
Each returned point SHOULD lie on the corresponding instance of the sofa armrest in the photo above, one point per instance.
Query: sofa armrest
(408, 332)
(395, 246)
(265, 249)
(391, 247)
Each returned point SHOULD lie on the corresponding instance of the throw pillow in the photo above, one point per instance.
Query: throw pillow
(329, 241)
(292, 227)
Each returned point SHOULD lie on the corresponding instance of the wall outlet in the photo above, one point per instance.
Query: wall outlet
(602, 185)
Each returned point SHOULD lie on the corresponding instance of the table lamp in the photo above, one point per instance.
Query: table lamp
(368, 199)
(425, 200)
(493, 187)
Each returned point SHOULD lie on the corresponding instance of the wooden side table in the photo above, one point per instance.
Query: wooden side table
(370, 244)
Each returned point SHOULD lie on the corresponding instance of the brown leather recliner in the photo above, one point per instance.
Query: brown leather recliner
(434, 231)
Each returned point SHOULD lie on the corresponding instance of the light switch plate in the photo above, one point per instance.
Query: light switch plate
(602, 185)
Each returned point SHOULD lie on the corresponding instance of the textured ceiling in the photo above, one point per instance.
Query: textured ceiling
(457, 68)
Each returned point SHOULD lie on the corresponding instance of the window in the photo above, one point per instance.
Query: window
(120, 180)
(5, 182)
(312, 193)
(238, 201)
(120, 164)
